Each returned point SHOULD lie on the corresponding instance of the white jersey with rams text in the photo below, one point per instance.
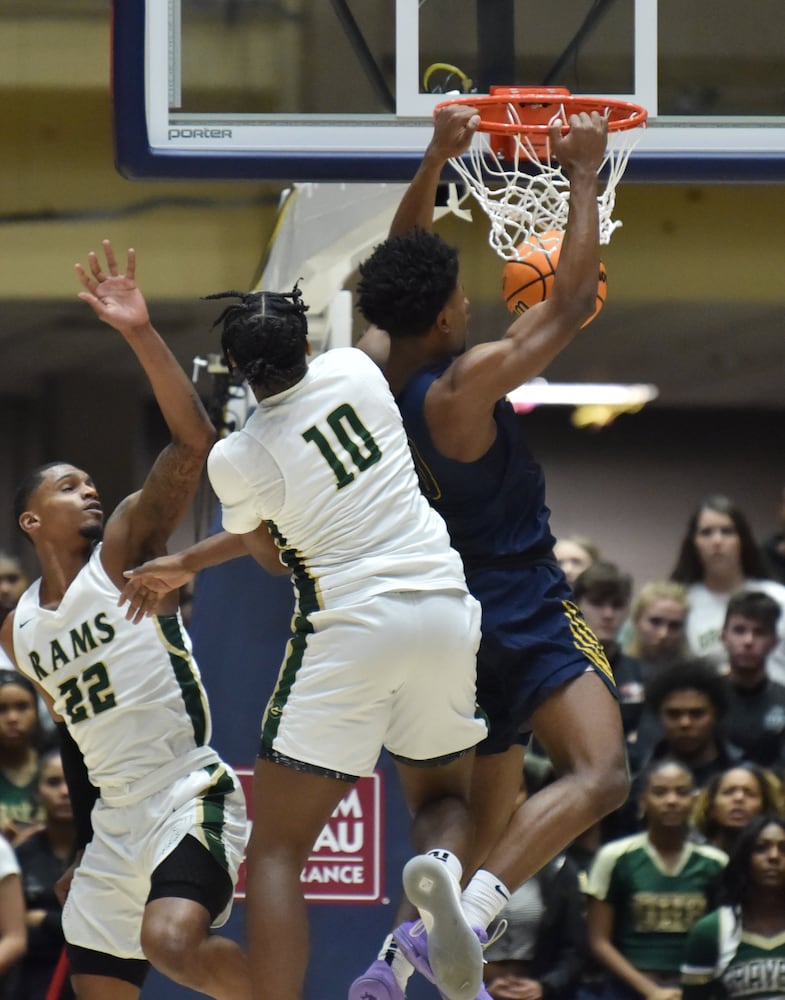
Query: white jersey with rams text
(131, 695)
(309, 463)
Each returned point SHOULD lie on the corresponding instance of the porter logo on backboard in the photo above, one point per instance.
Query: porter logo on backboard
(345, 864)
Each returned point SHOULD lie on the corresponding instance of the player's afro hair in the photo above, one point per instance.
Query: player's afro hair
(406, 282)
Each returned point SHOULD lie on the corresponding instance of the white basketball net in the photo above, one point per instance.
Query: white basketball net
(528, 195)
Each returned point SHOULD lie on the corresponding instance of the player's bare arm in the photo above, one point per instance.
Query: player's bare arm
(146, 584)
(464, 396)
(141, 525)
(453, 129)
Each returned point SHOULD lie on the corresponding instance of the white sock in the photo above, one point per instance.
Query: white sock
(401, 967)
(454, 866)
(484, 898)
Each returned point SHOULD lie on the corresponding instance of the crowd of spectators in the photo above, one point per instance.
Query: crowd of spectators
(681, 892)
(678, 894)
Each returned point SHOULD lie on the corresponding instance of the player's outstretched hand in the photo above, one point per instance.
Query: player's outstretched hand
(453, 129)
(114, 297)
(583, 144)
(148, 583)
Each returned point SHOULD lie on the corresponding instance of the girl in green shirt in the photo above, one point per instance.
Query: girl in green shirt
(738, 950)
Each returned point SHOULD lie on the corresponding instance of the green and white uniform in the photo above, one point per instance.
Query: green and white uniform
(722, 960)
(385, 632)
(655, 905)
(133, 701)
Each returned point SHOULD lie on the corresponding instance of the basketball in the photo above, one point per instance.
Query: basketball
(528, 281)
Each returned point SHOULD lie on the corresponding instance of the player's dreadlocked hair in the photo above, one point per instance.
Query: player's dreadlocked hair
(406, 282)
(264, 337)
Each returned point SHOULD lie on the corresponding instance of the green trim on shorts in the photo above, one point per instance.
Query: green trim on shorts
(294, 659)
(213, 808)
(186, 675)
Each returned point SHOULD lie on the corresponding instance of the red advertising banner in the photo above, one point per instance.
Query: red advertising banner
(346, 862)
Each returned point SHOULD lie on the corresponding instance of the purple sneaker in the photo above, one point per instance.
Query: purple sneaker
(412, 939)
(450, 956)
(376, 983)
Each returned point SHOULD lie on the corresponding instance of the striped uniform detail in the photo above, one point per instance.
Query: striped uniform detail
(295, 651)
(186, 674)
(586, 641)
(307, 601)
(306, 585)
(212, 804)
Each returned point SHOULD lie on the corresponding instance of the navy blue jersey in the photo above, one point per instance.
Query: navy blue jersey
(534, 639)
(494, 507)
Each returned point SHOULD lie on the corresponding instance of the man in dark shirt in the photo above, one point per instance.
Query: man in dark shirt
(755, 720)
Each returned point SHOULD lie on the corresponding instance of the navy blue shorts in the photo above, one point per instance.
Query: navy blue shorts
(534, 640)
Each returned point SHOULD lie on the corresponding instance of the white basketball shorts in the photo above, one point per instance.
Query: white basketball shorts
(398, 671)
(105, 904)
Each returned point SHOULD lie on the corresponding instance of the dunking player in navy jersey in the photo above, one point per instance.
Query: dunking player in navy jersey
(540, 667)
(167, 831)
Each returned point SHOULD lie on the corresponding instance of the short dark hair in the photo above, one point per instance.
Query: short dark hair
(603, 581)
(755, 605)
(406, 282)
(27, 488)
(688, 675)
(264, 337)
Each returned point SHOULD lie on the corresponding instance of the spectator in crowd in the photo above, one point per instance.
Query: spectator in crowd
(20, 811)
(44, 857)
(538, 945)
(774, 547)
(574, 554)
(602, 592)
(13, 933)
(717, 558)
(658, 619)
(731, 800)
(690, 700)
(655, 635)
(755, 720)
(738, 950)
(646, 891)
(13, 583)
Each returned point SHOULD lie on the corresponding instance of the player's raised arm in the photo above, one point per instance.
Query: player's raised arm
(453, 129)
(141, 525)
(534, 339)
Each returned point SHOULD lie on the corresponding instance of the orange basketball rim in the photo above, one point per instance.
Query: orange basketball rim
(509, 168)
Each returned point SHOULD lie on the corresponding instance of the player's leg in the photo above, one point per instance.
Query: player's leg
(190, 889)
(432, 735)
(579, 726)
(290, 809)
(496, 785)
(89, 987)
(448, 952)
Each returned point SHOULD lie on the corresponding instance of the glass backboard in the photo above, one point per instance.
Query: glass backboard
(310, 90)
